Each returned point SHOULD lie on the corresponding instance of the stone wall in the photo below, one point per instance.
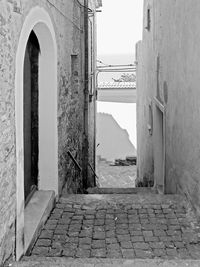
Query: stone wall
(170, 71)
(68, 20)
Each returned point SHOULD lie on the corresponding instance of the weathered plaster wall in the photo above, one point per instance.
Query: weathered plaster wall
(67, 18)
(175, 70)
(145, 88)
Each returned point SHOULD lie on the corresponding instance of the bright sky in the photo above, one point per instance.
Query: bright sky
(119, 26)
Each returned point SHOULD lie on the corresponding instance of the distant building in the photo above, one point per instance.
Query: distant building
(47, 107)
(168, 97)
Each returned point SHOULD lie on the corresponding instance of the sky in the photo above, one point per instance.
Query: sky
(119, 26)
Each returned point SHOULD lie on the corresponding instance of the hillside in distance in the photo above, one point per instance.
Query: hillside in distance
(114, 59)
(114, 142)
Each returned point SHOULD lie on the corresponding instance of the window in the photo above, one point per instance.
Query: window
(148, 23)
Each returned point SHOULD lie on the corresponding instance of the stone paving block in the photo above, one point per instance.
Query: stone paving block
(121, 231)
(83, 253)
(128, 253)
(85, 246)
(40, 251)
(126, 244)
(147, 233)
(55, 252)
(135, 226)
(141, 246)
(123, 238)
(50, 226)
(111, 240)
(46, 234)
(99, 222)
(135, 233)
(73, 240)
(73, 234)
(99, 235)
(151, 239)
(114, 246)
(136, 239)
(183, 253)
(70, 246)
(143, 254)
(113, 254)
(179, 244)
(85, 240)
(159, 233)
(142, 211)
(110, 234)
(98, 253)
(62, 226)
(61, 238)
(88, 222)
(43, 242)
(98, 244)
(68, 252)
(85, 233)
(157, 245)
(171, 252)
(56, 244)
(159, 252)
(99, 228)
(169, 244)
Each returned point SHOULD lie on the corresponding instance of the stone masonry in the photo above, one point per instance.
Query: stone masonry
(67, 18)
(120, 226)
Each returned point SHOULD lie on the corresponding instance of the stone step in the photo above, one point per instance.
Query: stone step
(64, 262)
(136, 190)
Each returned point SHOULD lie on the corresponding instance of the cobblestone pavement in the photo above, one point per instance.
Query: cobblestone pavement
(116, 176)
(120, 226)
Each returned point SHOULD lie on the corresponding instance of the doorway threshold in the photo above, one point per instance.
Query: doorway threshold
(135, 190)
(36, 214)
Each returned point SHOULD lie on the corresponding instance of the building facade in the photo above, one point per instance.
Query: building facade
(168, 97)
(47, 107)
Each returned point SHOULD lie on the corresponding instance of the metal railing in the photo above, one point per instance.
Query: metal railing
(78, 167)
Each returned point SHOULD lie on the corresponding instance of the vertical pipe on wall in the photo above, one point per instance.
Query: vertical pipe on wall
(86, 100)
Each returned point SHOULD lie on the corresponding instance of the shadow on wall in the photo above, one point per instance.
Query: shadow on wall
(113, 141)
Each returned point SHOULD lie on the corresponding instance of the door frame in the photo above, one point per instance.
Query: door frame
(158, 135)
(40, 22)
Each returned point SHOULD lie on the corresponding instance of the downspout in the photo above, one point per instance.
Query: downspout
(86, 101)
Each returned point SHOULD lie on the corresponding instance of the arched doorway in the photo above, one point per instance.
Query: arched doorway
(37, 32)
(30, 91)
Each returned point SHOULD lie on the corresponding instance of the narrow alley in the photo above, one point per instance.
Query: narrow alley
(99, 172)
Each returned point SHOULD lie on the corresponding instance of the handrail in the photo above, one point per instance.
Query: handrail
(74, 160)
(95, 183)
(79, 167)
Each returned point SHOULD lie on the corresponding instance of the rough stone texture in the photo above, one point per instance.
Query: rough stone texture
(67, 18)
(102, 226)
(96, 262)
(169, 69)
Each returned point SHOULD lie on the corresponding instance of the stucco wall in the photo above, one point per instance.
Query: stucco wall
(175, 35)
(67, 18)
(145, 89)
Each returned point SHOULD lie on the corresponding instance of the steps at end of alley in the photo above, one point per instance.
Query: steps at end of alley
(63, 262)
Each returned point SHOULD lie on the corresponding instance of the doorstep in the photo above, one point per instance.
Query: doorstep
(36, 214)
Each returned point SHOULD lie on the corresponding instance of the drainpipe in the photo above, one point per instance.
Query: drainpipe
(86, 101)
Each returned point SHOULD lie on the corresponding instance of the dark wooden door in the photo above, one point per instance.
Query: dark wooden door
(31, 117)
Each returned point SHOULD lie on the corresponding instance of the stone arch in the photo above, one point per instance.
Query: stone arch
(39, 21)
